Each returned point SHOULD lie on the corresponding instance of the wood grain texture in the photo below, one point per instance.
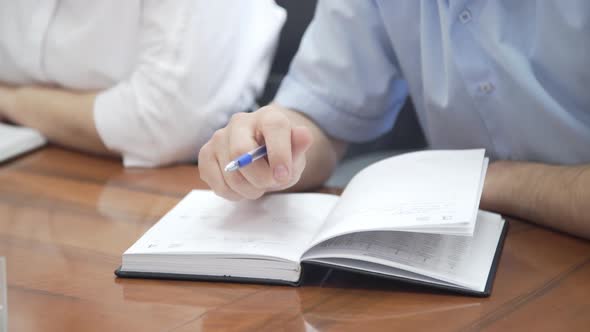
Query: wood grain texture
(66, 218)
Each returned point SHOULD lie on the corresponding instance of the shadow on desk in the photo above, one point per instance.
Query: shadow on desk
(325, 277)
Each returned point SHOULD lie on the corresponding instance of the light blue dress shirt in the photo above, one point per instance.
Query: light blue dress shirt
(511, 76)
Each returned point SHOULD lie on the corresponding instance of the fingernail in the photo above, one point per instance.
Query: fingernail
(281, 173)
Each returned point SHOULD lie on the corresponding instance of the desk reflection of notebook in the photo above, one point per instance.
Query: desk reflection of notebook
(16, 140)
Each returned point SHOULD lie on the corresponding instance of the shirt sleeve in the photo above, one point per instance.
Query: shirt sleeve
(345, 76)
(198, 62)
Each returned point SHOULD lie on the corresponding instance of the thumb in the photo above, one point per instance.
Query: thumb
(301, 140)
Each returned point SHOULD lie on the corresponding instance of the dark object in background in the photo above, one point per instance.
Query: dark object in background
(299, 15)
(405, 135)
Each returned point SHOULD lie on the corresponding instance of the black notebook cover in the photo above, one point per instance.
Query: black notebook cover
(195, 277)
(173, 276)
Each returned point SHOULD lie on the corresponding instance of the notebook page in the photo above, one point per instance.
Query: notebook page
(420, 189)
(459, 228)
(461, 260)
(279, 225)
(15, 140)
(381, 269)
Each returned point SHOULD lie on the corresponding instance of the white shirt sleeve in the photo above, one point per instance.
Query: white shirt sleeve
(198, 62)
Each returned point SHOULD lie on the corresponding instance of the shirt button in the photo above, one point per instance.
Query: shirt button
(486, 87)
(465, 16)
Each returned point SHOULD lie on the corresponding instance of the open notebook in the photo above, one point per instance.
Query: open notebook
(412, 217)
(16, 140)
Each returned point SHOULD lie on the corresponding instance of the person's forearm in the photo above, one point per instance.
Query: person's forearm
(322, 157)
(64, 117)
(554, 196)
(6, 101)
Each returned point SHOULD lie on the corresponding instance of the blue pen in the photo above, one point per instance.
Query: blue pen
(246, 159)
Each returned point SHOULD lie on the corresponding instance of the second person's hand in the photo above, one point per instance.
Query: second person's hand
(286, 146)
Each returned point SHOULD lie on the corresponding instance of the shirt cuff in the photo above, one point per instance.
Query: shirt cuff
(116, 129)
(342, 125)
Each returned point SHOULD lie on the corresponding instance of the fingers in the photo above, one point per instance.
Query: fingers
(276, 130)
(241, 140)
(283, 166)
(218, 152)
(301, 139)
(235, 180)
(210, 170)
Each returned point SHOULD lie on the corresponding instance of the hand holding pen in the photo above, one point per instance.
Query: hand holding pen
(232, 162)
(246, 159)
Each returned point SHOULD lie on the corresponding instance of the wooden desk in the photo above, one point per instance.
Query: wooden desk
(65, 219)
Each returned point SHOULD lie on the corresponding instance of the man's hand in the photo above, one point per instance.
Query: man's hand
(286, 143)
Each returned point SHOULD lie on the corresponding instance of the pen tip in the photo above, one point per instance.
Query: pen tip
(232, 166)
